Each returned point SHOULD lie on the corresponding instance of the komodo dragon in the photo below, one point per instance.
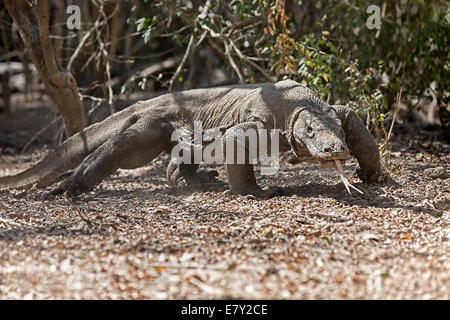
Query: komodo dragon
(131, 138)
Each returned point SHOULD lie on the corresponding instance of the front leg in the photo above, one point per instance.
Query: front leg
(360, 143)
(241, 177)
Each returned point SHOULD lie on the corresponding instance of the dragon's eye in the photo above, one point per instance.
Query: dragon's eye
(310, 129)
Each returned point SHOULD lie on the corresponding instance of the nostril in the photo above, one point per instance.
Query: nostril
(342, 148)
(326, 149)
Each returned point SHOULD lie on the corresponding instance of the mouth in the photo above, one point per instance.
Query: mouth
(329, 160)
(332, 157)
(325, 159)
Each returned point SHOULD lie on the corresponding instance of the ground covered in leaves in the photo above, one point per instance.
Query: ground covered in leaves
(134, 237)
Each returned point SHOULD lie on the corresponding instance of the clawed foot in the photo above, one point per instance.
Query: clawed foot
(74, 185)
(198, 179)
(371, 176)
(70, 189)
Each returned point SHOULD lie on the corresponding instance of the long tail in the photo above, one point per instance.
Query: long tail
(70, 154)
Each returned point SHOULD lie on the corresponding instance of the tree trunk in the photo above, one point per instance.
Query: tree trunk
(60, 84)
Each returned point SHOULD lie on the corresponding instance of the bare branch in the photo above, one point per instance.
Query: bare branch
(232, 63)
(105, 54)
(25, 147)
(82, 43)
(183, 61)
(243, 57)
(97, 25)
(191, 45)
(397, 108)
(158, 67)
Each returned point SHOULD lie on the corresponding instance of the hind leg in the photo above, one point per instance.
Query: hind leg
(132, 148)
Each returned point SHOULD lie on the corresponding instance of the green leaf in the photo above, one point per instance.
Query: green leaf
(327, 239)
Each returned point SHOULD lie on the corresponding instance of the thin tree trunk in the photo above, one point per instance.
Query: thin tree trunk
(113, 24)
(58, 29)
(5, 76)
(60, 84)
(28, 78)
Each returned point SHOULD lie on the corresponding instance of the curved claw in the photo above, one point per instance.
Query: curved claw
(369, 177)
(56, 191)
(73, 186)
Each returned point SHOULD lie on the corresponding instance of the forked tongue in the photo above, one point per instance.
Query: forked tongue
(347, 184)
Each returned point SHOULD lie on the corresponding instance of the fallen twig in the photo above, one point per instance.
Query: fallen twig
(336, 218)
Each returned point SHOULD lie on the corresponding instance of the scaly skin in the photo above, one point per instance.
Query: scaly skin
(133, 137)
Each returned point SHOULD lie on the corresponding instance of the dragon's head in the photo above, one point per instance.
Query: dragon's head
(318, 135)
